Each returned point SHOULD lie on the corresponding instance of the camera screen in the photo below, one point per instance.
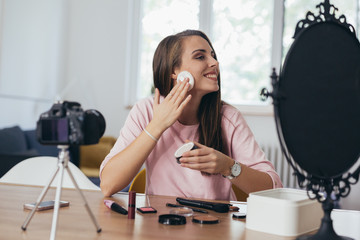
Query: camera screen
(55, 130)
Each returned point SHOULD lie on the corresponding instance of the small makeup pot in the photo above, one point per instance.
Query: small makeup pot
(182, 211)
(205, 219)
(239, 215)
(184, 148)
(172, 219)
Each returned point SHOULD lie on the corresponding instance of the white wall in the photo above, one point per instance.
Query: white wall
(76, 49)
(96, 48)
(30, 58)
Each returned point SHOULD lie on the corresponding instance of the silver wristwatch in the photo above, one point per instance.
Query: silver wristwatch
(235, 170)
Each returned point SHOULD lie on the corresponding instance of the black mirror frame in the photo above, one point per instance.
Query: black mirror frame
(325, 189)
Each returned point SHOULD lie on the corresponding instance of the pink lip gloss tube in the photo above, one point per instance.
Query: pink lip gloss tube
(132, 202)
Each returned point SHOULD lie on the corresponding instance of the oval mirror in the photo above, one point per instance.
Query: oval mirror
(320, 110)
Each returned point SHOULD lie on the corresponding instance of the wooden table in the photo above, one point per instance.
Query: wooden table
(75, 223)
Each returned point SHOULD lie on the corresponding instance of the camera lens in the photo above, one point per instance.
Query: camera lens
(94, 126)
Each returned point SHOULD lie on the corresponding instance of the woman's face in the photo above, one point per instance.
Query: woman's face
(198, 59)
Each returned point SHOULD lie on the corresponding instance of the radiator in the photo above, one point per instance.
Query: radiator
(276, 157)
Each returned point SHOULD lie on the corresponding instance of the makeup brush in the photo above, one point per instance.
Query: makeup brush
(217, 207)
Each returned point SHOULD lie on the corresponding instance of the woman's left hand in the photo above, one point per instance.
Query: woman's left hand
(207, 160)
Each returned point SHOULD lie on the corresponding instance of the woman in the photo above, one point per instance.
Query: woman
(158, 125)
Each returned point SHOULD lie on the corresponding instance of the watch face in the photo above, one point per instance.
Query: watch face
(236, 170)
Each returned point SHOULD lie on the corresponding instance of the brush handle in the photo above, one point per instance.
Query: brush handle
(217, 207)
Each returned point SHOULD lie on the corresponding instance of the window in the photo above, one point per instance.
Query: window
(160, 19)
(296, 10)
(242, 40)
(249, 37)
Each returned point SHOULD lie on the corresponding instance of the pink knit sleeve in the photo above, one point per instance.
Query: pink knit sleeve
(243, 147)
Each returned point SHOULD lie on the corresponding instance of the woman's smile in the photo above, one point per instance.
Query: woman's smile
(211, 75)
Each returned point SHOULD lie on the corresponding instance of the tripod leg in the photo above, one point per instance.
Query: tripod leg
(40, 198)
(98, 229)
(57, 201)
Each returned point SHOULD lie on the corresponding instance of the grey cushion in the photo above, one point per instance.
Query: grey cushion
(43, 150)
(12, 140)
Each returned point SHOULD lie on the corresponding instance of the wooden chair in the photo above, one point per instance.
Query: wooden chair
(240, 195)
(91, 156)
(139, 182)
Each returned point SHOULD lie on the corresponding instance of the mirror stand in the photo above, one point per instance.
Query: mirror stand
(326, 230)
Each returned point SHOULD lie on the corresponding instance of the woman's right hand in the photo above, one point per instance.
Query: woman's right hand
(170, 109)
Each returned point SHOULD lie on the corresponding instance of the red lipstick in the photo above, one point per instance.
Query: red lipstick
(132, 202)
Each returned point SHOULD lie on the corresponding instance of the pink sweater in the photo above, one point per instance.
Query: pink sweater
(164, 176)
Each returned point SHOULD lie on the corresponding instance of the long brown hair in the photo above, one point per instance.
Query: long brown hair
(167, 57)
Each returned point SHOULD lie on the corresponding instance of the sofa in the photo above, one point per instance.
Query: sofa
(17, 145)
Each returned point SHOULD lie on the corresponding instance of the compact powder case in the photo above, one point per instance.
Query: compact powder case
(182, 211)
(184, 148)
(172, 219)
(207, 219)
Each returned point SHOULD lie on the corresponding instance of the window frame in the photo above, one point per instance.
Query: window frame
(133, 53)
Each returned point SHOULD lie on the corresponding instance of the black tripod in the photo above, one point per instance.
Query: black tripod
(63, 160)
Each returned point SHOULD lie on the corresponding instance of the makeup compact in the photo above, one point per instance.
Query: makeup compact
(147, 210)
(239, 215)
(184, 148)
(182, 211)
(181, 206)
(205, 219)
(172, 219)
(183, 75)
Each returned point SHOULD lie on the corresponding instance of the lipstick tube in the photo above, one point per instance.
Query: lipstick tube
(131, 207)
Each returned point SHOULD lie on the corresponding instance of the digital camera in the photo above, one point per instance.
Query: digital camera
(67, 124)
